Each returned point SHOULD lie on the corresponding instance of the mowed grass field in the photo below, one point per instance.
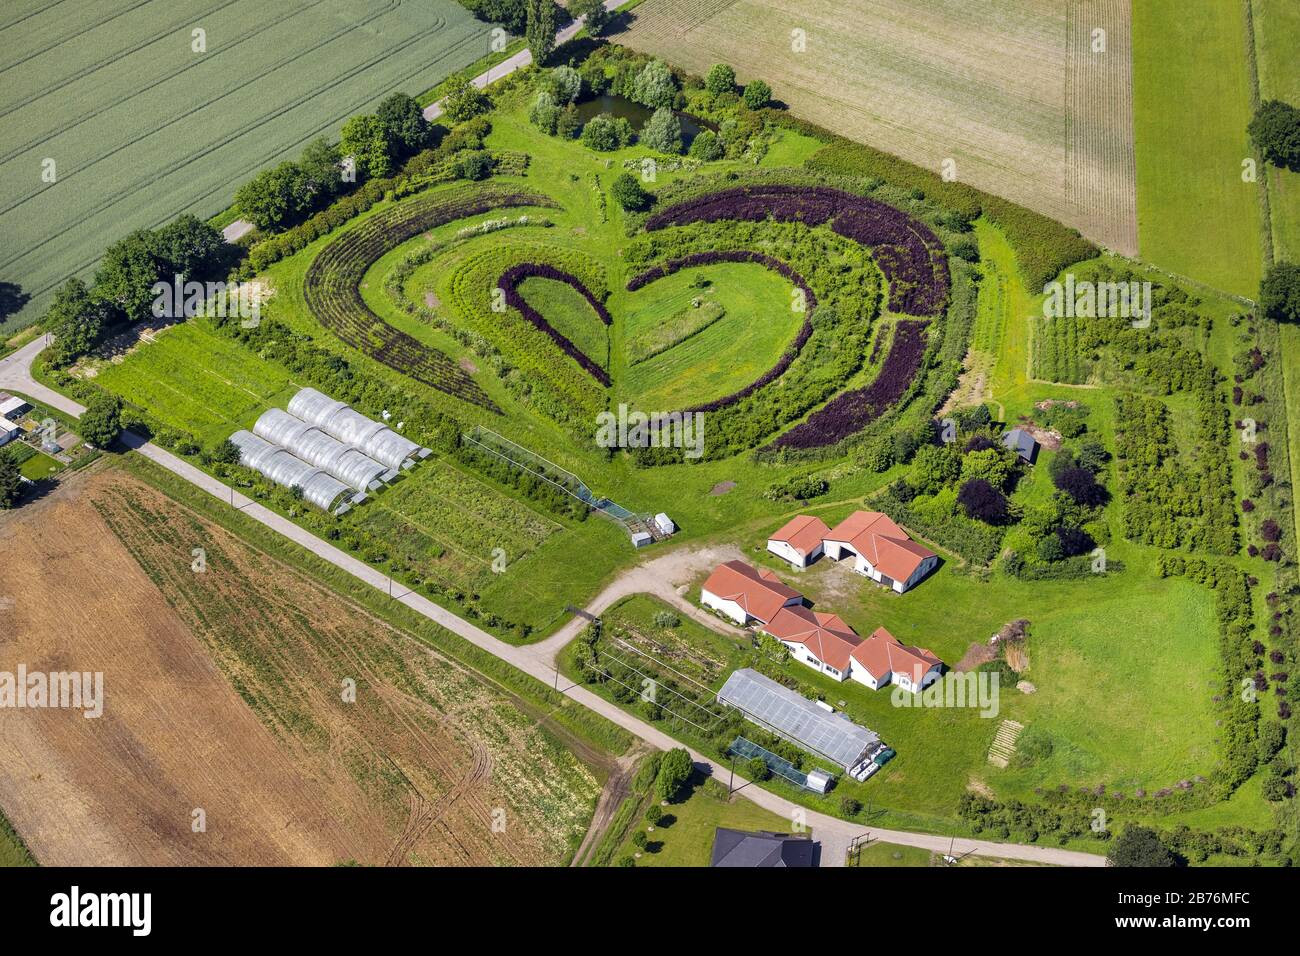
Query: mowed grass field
(1191, 105)
(756, 326)
(1277, 51)
(570, 314)
(1010, 91)
(140, 127)
(192, 378)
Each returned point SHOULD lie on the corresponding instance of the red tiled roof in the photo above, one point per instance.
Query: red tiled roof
(760, 593)
(804, 533)
(826, 636)
(887, 546)
(882, 653)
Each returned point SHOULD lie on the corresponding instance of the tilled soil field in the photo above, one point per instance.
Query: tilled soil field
(305, 730)
(1025, 96)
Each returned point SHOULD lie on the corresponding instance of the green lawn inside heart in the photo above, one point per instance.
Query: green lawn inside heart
(686, 339)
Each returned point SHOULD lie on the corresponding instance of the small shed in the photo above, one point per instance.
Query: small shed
(14, 408)
(664, 523)
(8, 431)
(1022, 443)
(819, 781)
(641, 538)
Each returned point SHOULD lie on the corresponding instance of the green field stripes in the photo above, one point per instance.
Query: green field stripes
(1277, 53)
(196, 380)
(1191, 104)
(142, 128)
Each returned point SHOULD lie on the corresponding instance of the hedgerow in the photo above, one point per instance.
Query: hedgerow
(1043, 246)
(331, 286)
(842, 281)
(907, 252)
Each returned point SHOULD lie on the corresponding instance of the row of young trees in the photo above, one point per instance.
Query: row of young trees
(370, 146)
(1275, 131)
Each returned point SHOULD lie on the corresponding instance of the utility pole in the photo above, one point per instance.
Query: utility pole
(732, 779)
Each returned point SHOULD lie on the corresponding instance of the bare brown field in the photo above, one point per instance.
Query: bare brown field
(224, 691)
(1011, 91)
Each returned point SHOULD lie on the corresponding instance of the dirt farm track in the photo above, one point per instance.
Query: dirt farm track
(222, 695)
(1025, 96)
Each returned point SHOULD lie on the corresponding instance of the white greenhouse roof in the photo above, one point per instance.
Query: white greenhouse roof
(349, 465)
(285, 469)
(790, 715)
(339, 420)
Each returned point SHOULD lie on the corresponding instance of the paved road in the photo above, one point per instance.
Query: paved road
(538, 660)
(16, 376)
(520, 60)
(433, 111)
(662, 577)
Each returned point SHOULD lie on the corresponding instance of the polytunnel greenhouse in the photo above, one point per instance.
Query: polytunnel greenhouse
(281, 467)
(339, 420)
(313, 446)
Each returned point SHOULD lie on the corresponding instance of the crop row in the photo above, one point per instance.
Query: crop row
(334, 298)
(509, 284)
(529, 363)
(907, 251)
(851, 412)
(741, 255)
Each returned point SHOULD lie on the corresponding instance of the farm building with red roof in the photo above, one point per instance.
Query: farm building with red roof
(744, 593)
(822, 641)
(879, 549)
(799, 540)
(883, 659)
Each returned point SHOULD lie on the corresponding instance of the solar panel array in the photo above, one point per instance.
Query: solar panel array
(789, 714)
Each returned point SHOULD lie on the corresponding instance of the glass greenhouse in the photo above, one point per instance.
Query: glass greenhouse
(795, 718)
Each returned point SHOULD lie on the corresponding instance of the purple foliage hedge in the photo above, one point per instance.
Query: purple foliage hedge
(758, 258)
(509, 284)
(853, 411)
(907, 251)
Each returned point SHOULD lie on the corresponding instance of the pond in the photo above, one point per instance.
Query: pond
(639, 115)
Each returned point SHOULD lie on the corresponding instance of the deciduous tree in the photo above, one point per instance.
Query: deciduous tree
(404, 125)
(101, 423)
(363, 138)
(1139, 846)
(1275, 130)
(721, 79)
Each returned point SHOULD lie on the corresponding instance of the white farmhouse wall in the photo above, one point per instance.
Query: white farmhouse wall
(863, 676)
(839, 550)
(801, 653)
(730, 608)
(787, 552)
